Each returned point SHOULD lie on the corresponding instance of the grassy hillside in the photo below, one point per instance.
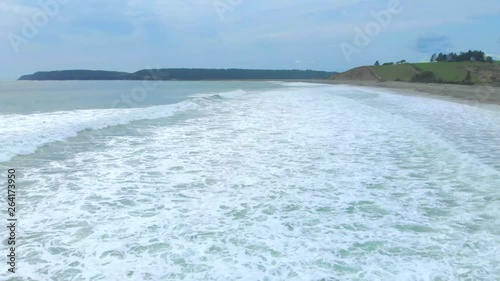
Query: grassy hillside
(452, 72)
(395, 72)
(362, 73)
(448, 71)
(456, 71)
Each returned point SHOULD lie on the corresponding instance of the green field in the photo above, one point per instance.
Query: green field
(393, 72)
(449, 71)
(446, 71)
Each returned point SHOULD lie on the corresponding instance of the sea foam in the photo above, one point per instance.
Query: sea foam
(297, 184)
(23, 134)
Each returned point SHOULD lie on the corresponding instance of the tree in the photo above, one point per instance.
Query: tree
(424, 77)
(489, 59)
(441, 57)
(433, 58)
(377, 63)
(452, 57)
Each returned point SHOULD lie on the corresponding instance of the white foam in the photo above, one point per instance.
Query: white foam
(23, 134)
(299, 84)
(230, 94)
(295, 185)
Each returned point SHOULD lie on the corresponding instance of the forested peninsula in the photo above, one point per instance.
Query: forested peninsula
(182, 74)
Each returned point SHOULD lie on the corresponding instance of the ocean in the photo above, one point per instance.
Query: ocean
(128, 180)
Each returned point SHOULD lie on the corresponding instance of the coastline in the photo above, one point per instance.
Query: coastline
(465, 94)
(475, 94)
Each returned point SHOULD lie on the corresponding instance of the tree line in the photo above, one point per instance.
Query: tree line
(475, 55)
(227, 74)
(180, 74)
(377, 63)
(478, 56)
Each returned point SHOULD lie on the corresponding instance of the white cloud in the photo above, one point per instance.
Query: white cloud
(270, 33)
(11, 14)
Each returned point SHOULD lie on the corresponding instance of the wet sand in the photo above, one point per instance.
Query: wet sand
(483, 94)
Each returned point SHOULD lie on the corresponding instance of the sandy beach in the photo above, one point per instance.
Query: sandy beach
(484, 94)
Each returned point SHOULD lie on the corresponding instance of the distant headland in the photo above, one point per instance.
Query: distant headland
(182, 74)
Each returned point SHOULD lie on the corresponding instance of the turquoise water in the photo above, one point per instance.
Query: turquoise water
(250, 181)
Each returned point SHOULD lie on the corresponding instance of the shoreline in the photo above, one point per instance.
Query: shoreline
(465, 94)
(474, 94)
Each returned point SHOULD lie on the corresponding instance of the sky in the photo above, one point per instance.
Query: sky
(331, 35)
